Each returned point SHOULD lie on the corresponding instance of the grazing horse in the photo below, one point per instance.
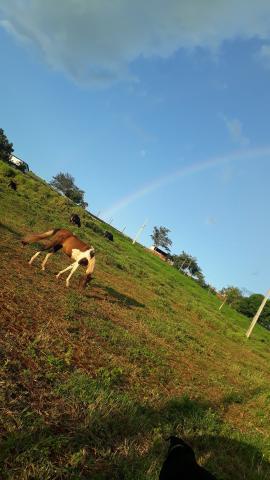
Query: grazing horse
(108, 235)
(75, 219)
(13, 185)
(80, 252)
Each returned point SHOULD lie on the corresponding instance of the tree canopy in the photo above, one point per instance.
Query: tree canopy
(234, 296)
(160, 238)
(248, 305)
(6, 148)
(188, 264)
(65, 183)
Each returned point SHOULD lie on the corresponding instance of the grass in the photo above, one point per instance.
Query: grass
(92, 383)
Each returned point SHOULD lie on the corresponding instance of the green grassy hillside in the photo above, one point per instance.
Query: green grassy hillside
(93, 382)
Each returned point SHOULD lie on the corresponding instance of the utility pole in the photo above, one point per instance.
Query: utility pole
(223, 303)
(98, 213)
(189, 263)
(259, 311)
(141, 229)
(123, 229)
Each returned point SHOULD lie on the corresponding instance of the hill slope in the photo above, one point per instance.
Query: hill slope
(92, 383)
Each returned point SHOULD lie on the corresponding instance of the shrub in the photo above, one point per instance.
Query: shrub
(94, 227)
(8, 172)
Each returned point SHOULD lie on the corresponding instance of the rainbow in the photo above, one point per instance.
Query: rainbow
(184, 172)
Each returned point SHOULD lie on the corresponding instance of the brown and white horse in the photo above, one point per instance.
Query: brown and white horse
(80, 252)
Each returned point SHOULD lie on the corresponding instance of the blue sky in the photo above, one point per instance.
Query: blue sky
(159, 114)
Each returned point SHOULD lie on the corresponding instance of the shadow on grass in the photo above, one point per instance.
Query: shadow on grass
(9, 229)
(113, 296)
(123, 299)
(127, 443)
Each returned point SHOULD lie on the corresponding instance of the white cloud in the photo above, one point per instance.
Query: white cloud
(94, 41)
(235, 129)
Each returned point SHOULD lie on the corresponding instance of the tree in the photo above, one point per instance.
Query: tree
(181, 261)
(189, 264)
(65, 183)
(234, 296)
(6, 148)
(84, 204)
(200, 279)
(160, 238)
(249, 306)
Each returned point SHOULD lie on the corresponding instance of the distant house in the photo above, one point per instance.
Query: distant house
(19, 163)
(160, 253)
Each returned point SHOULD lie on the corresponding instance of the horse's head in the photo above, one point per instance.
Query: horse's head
(90, 268)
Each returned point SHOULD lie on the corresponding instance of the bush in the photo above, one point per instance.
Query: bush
(6, 148)
(9, 172)
(22, 167)
(94, 227)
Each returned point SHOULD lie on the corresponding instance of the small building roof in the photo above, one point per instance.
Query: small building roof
(18, 161)
(158, 250)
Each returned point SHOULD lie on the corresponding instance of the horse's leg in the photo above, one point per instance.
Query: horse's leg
(55, 247)
(65, 270)
(45, 260)
(33, 257)
(75, 266)
(50, 245)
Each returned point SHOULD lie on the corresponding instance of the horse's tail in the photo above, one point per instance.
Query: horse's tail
(35, 237)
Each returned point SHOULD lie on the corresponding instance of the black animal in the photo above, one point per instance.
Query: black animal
(181, 464)
(75, 219)
(12, 185)
(108, 235)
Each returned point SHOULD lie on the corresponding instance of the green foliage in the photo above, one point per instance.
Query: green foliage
(73, 304)
(234, 296)
(160, 238)
(188, 264)
(9, 172)
(111, 377)
(6, 148)
(93, 226)
(22, 167)
(65, 183)
(249, 306)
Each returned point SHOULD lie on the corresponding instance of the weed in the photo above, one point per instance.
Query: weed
(73, 303)
(9, 172)
(110, 377)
